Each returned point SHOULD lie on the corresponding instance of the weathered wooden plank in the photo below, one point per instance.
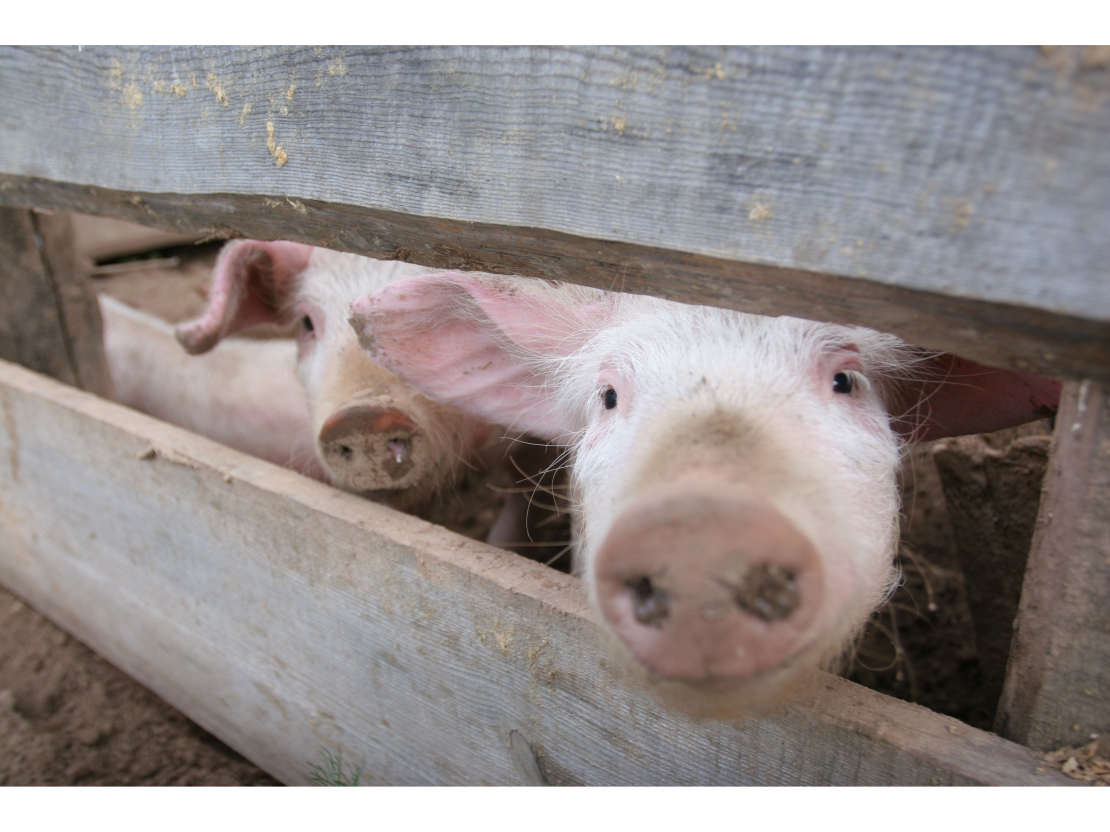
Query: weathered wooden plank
(1057, 689)
(996, 334)
(289, 618)
(978, 175)
(49, 319)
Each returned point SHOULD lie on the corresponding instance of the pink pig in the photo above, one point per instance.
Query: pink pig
(734, 475)
(370, 432)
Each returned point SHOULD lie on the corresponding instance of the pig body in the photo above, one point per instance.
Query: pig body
(245, 394)
(734, 475)
(371, 433)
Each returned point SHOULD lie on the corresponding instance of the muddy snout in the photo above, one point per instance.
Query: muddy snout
(371, 447)
(708, 583)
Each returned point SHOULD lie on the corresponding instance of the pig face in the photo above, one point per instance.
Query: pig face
(373, 434)
(734, 474)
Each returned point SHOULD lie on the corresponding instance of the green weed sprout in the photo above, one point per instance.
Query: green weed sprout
(331, 773)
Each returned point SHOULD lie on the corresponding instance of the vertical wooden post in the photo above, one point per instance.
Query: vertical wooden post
(49, 318)
(1057, 690)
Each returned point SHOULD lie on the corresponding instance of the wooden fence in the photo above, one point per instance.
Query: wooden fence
(959, 198)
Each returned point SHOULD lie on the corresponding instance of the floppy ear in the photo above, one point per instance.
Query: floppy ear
(483, 345)
(960, 397)
(250, 283)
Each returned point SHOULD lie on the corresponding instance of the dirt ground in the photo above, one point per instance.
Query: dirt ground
(67, 717)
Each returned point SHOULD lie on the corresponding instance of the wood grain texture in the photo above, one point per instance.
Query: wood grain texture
(49, 319)
(971, 173)
(289, 618)
(996, 334)
(1057, 689)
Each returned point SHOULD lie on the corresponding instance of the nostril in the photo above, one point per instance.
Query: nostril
(768, 591)
(399, 448)
(650, 604)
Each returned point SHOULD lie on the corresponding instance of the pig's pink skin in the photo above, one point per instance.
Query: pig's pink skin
(248, 276)
(700, 392)
(474, 373)
(403, 461)
(698, 544)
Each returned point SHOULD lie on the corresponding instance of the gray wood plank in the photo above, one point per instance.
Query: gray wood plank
(977, 174)
(996, 334)
(1057, 690)
(49, 319)
(289, 619)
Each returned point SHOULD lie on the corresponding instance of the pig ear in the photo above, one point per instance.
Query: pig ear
(250, 284)
(484, 345)
(960, 397)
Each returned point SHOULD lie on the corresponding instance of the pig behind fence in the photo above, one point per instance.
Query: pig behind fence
(734, 475)
(319, 405)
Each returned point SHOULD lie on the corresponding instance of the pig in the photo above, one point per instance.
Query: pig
(246, 394)
(371, 433)
(734, 475)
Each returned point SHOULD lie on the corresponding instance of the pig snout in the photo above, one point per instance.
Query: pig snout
(371, 446)
(708, 583)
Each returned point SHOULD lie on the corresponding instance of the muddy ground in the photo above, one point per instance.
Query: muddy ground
(67, 717)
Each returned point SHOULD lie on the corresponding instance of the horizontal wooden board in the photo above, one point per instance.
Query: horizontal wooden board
(996, 334)
(291, 619)
(978, 174)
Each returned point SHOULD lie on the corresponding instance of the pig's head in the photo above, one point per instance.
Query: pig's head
(374, 433)
(734, 474)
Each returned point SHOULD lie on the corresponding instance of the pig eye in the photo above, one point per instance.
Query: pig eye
(306, 322)
(843, 383)
(609, 397)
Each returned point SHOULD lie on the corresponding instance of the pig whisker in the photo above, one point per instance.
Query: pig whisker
(552, 519)
(556, 509)
(923, 572)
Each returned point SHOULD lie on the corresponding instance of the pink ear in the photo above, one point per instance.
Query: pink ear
(479, 344)
(962, 397)
(250, 283)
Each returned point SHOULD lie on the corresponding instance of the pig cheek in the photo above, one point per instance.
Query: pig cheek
(306, 346)
(600, 467)
(860, 535)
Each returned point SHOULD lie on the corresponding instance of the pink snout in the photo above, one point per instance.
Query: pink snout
(708, 583)
(370, 447)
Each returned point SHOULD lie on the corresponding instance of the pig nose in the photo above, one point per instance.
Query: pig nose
(708, 583)
(369, 447)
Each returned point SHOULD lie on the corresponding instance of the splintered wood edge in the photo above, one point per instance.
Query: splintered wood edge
(873, 720)
(997, 334)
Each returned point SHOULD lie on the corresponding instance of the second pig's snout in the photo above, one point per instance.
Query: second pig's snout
(370, 447)
(708, 583)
